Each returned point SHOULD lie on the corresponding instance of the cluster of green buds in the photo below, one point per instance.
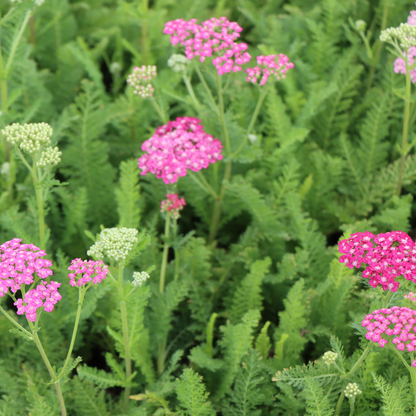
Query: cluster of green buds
(35, 140)
(329, 357)
(139, 278)
(178, 62)
(405, 34)
(115, 243)
(352, 390)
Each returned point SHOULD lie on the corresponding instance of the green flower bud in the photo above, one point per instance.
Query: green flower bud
(139, 278)
(329, 357)
(352, 390)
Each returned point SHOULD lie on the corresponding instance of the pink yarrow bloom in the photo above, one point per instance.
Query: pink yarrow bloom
(399, 63)
(173, 204)
(43, 296)
(275, 65)
(86, 271)
(212, 37)
(396, 324)
(178, 146)
(387, 257)
(18, 263)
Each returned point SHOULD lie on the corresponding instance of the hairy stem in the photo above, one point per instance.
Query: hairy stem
(40, 206)
(15, 323)
(165, 254)
(405, 126)
(126, 353)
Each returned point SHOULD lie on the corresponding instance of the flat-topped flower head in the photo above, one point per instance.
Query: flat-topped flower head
(139, 278)
(275, 66)
(173, 204)
(85, 271)
(214, 37)
(115, 243)
(18, 264)
(330, 357)
(178, 146)
(140, 79)
(387, 256)
(411, 296)
(396, 324)
(352, 390)
(45, 296)
(29, 137)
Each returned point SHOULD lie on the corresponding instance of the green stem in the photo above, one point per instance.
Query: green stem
(40, 206)
(145, 31)
(159, 111)
(405, 126)
(50, 369)
(207, 89)
(15, 323)
(413, 377)
(81, 296)
(191, 92)
(161, 357)
(260, 100)
(176, 251)
(222, 116)
(126, 353)
(355, 367)
(352, 402)
(165, 254)
(203, 183)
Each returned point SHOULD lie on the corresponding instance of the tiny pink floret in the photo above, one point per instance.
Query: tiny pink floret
(178, 146)
(269, 65)
(172, 204)
(86, 271)
(213, 37)
(387, 256)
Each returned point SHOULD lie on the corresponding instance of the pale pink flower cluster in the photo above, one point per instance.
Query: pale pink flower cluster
(387, 256)
(177, 146)
(268, 65)
(44, 295)
(140, 80)
(18, 263)
(214, 36)
(411, 296)
(399, 64)
(173, 204)
(85, 271)
(397, 322)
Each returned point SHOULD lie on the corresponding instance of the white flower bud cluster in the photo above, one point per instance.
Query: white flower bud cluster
(178, 62)
(50, 157)
(140, 80)
(352, 390)
(29, 137)
(139, 278)
(360, 25)
(329, 357)
(405, 33)
(115, 243)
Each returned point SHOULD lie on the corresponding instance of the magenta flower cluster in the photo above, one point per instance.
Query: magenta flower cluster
(44, 295)
(399, 64)
(396, 324)
(18, 263)
(86, 271)
(276, 65)
(212, 37)
(387, 257)
(173, 204)
(178, 146)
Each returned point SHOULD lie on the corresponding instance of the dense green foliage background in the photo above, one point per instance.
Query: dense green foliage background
(325, 162)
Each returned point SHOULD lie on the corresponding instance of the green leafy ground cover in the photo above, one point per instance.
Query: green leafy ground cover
(267, 292)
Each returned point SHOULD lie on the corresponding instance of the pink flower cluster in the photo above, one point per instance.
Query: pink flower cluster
(399, 64)
(411, 296)
(140, 80)
(397, 323)
(84, 269)
(276, 65)
(387, 256)
(44, 295)
(18, 263)
(177, 146)
(172, 204)
(214, 36)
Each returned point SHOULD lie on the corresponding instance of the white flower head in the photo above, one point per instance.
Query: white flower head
(139, 278)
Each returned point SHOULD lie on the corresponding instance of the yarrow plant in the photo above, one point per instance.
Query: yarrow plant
(213, 36)
(173, 204)
(269, 65)
(140, 79)
(139, 278)
(85, 271)
(178, 146)
(387, 255)
(330, 357)
(178, 62)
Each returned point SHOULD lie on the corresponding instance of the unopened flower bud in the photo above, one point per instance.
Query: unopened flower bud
(329, 357)
(139, 278)
(360, 25)
(50, 157)
(178, 62)
(352, 390)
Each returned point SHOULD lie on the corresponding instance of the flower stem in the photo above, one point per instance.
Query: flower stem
(413, 377)
(159, 111)
(203, 184)
(81, 296)
(405, 125)
(191, 92)
(14, 322)
(175, 232)
(355, 367)
(165, 255)
(50, 369)
(207, 89)
(126, 353)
